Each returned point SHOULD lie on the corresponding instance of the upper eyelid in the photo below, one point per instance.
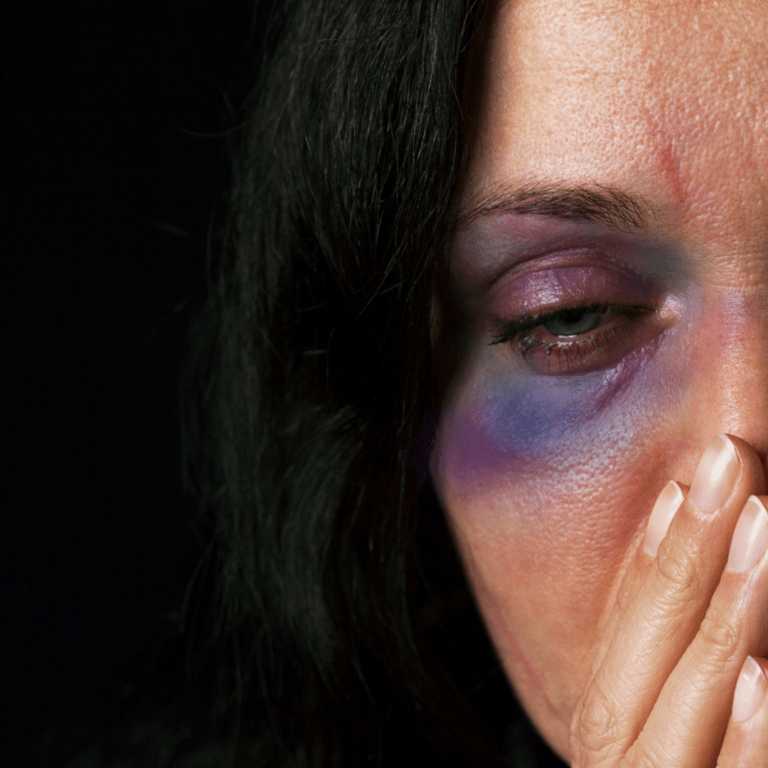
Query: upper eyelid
(481, 258)
(542, 317)
(549, 288)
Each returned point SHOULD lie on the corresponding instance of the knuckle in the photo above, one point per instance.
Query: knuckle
(596, 731)
(719, 638)
(677, 572)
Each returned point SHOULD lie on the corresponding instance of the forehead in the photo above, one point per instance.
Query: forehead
(665, 99)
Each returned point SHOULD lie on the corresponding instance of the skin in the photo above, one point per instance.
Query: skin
(548, 467)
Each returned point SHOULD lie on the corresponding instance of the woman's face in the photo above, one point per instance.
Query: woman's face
(618, 169)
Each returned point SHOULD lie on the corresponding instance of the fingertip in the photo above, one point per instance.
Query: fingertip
(753, 466)
(746, 737)
(750, 692)
(664, 510)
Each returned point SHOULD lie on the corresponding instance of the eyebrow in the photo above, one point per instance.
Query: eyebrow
(599, 205)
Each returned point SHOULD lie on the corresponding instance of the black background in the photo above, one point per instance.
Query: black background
(114, 163)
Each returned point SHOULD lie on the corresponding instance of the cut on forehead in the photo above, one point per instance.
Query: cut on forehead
(666, 102)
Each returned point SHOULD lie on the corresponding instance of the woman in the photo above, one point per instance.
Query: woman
(501, 266)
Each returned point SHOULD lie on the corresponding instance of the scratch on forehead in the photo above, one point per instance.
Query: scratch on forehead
(614, 103)
(706, 72)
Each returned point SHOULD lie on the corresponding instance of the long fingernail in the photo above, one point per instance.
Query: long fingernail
(668, 502)
(750, 538)
(715, 475)
(750, 691)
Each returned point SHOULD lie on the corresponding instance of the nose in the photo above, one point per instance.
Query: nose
(732, 357)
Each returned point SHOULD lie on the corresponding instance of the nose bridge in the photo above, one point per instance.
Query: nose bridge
(737, 348)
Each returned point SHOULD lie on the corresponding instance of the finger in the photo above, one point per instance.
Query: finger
(654, 627)
(664, 509)
(690, 717)
(667, 503)
(746, 740)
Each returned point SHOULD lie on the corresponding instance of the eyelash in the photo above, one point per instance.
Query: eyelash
(583, 352)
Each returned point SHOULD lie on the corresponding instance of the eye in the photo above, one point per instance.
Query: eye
(573, 322)
(577, 339)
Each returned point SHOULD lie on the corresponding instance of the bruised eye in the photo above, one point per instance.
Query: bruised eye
(572, 322)
(577, 339)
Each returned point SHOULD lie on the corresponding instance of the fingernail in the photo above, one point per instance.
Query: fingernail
(715, 475)
(750, 691)
(667, 503)
(750, 538)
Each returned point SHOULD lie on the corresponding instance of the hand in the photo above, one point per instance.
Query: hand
(679, 680)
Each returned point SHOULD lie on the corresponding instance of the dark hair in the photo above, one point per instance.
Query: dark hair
(342, 205)
(344, 633)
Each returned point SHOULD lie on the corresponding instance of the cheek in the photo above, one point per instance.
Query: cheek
(547, 483)
(544, 452)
